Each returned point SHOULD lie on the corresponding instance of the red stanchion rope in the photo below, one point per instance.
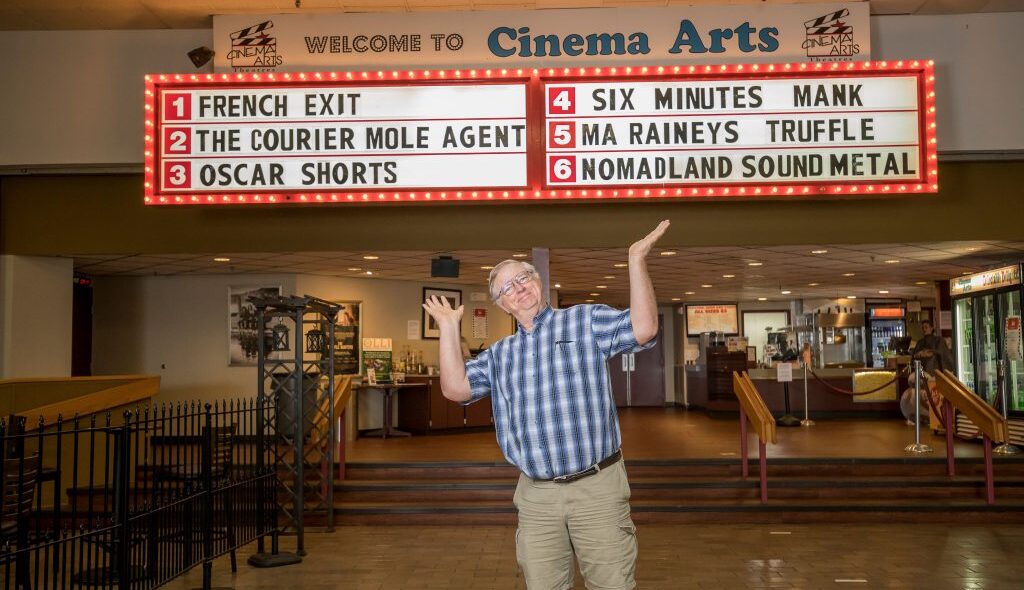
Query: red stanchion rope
(848, 392)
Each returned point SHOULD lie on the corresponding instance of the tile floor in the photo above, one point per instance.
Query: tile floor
(813, 557)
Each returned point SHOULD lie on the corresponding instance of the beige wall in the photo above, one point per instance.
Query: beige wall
(35, 316)
(177, 327)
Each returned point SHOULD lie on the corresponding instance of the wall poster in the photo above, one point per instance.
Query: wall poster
(243, 328)
(454, 297)
(346, 338)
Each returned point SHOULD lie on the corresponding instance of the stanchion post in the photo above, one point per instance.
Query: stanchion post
(917, 447)
(947, 413)
(744, 470)
(807, 416)
(1004, 448)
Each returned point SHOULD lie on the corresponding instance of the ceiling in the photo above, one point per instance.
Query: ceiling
(195, 14)
(580, 271)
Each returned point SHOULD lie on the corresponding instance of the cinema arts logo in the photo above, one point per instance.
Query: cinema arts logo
(829, 38)
(253, 50)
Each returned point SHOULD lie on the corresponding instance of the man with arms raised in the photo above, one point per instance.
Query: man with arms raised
(555, 418)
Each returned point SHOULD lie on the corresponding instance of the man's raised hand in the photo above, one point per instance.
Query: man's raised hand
(441, 310)
(642, 247)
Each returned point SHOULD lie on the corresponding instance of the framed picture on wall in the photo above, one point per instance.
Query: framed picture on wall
(243, 328)
(347, 340)
(454, 297)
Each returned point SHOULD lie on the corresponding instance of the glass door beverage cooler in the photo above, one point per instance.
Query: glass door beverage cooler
(885, 320)
(984, 304)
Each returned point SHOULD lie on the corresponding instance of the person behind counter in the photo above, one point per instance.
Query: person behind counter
(555, 418)
(931, 350)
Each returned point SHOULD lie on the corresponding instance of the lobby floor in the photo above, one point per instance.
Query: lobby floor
(725, 557)
(676, 433)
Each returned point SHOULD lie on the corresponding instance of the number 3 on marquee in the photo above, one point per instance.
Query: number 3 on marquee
(561, 169)
(178, 174)
(562, 101)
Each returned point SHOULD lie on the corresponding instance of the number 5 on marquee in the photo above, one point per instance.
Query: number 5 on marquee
(561, 134)
(561, 169)
(562, 101)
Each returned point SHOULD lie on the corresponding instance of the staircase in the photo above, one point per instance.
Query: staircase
(699, 491)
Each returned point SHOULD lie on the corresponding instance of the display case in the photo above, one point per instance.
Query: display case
(984, 304)
(837, 338)
(886, 324)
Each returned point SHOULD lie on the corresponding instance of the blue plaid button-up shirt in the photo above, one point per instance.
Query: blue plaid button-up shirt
(554, 413)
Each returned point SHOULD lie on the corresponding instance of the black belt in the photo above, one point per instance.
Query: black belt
(602, 464)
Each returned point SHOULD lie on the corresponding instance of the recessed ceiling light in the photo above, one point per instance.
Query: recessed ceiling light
(369, 272)
(600, 286)
(355, 269)
(883, 292)
(812, 284)
(558, 285)
(849, 274)
(707, 286)
(221, 259)
(486, 267)
(728, 276)
(819, 251)
(667, 253)
(588, 300)
(688, 293)
(595, 294)
(785, 292)
(675, 299)
(851, 296)
(620, 265)
(519, 255)
(921, 283)
(754, 263)
(971, 248)
(608, 276)
(762, 299)
(371, 257)
(892, 261)
(965, 273)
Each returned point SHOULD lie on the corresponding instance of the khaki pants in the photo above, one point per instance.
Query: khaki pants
(588, 517)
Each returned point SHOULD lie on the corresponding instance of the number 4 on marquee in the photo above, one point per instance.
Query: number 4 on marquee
(561, 101)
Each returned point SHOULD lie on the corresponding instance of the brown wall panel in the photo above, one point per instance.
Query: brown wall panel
(104, 214)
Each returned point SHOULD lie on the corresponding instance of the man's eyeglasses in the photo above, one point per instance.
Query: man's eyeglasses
(510, 285)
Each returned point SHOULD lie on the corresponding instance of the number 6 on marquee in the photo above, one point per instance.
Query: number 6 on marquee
(561, 169)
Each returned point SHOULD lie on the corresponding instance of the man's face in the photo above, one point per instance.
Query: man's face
(927, 329)
(524, 301)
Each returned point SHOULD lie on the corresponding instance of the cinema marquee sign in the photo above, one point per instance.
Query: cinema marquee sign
(668, 132)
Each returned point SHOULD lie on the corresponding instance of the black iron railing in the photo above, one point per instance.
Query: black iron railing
(134, 500)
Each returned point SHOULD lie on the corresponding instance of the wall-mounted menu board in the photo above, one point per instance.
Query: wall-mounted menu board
(712, 318)
(740, 131)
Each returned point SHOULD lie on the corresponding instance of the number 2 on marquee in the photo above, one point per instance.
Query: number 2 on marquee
(562, 101)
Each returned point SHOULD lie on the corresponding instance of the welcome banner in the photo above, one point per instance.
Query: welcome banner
(757, 33)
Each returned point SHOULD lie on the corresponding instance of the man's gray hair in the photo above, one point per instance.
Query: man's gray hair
(497, 268)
